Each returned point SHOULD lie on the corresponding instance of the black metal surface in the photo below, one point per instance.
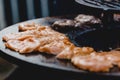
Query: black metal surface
(43, 61)
(101, 4)
(104, 39)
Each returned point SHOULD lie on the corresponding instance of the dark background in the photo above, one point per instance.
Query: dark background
(55, 8)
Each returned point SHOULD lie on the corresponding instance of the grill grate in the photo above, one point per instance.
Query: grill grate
(104, 4)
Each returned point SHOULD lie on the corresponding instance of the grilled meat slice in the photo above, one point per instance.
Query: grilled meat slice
(72, 51)
(51, 44)
(97, 61)
(86, 20)
(39, 32)
(30, 26)
(54, 47)
(21, 35)
(25, 46)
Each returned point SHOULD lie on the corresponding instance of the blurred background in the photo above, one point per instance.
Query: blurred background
(14, 11)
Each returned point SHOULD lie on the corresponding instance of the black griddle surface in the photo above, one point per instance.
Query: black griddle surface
(44, 61)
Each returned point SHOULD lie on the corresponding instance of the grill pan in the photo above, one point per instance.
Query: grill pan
(45, 60)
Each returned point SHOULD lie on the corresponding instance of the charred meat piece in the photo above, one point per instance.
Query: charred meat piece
(63, 25)
(82, 19)
(97, 61)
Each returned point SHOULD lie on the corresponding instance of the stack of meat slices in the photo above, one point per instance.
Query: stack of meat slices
(34, 37)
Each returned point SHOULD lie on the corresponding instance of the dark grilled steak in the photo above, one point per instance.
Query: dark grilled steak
(81, 21)
(86, 20)
(63, 25)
